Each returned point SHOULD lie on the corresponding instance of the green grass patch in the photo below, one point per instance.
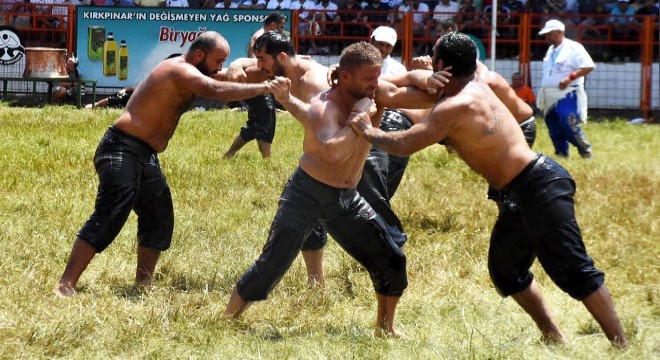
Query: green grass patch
(223, 210)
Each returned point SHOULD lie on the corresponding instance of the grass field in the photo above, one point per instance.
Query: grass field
(223, 211)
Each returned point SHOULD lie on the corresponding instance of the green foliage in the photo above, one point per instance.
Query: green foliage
(223, 213)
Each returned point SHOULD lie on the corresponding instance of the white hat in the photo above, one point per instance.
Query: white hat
(623, 1)
(552, 25)
(384, 34)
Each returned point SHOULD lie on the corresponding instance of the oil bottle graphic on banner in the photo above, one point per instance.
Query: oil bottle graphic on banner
(110, 56)
(95, 40)
(123, 61)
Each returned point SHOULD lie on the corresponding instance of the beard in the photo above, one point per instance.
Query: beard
(203, 68)
(361, 93)
(278, 69)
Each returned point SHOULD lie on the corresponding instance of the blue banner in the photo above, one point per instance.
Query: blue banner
(119, 46)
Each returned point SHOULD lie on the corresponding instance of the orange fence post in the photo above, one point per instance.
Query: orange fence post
(525, 46)
(647, 63)
(406, 48)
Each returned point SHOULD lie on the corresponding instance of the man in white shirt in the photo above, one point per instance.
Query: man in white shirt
(177, 3)
(384, 38)
(562, 97)
(252, 4)
(445, 6)
(306, 23)
(226, 4)
(278, 5)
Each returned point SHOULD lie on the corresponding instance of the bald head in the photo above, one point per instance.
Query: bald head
(208, 41)
(208, 52)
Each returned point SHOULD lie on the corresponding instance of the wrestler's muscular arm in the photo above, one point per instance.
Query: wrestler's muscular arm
(395, 97)
(192, 80)
(429, 131)
(242, 70)
(422, 79)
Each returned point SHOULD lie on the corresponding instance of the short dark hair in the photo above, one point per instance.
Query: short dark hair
(458, 51)
(273, 43)
(274, 17)
(205, 42)
(359, 54)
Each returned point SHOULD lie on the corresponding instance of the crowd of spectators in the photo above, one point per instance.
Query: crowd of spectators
(588, 20)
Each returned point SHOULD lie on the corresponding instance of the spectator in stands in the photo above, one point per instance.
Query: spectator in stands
(377, 13)
(516, 8)
(384, 38)
(226, 4)
(350, 15)
(448, 7)
(150, 3)
(623, 28)
(438, 29)
(177, 3)
(325, 19)
(596, 29)
(610, 4)
(420, 18)
(469, 21)
(67, 90)
(23, 14)
(649, 7)
(537, 6)
(278, 5)
(117, 3)
(503, 19)
(252, 4)
(306, 26)
(587, 6)
(208, 4)
(523, 91)
(420, 15)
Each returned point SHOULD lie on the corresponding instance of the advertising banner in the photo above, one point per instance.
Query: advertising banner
(119, 46)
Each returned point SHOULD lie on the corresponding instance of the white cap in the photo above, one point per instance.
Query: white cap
(552, 25)
(624, 1)
(384, 34)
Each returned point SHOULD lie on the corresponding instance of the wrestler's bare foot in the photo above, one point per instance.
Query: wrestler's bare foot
(388, 333)
(315, 281)
(236, 305)
(144, 286)
(554, 338)
(63, 290)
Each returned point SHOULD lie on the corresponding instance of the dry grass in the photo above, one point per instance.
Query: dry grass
(223, 212)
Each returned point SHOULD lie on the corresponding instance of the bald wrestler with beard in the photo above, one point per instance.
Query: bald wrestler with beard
(126, 159)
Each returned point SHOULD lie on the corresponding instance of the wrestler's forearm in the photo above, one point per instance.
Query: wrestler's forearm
(295, 106)
(415, 78)
(405, 98)
(386, 141)
(228, 91)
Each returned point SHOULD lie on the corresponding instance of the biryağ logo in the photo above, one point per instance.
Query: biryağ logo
(12, 48)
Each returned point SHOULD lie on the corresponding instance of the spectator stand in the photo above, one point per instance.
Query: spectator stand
(625, 66)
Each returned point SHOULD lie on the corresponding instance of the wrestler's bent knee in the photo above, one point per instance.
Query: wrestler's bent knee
(278, 254)
(156, 222)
